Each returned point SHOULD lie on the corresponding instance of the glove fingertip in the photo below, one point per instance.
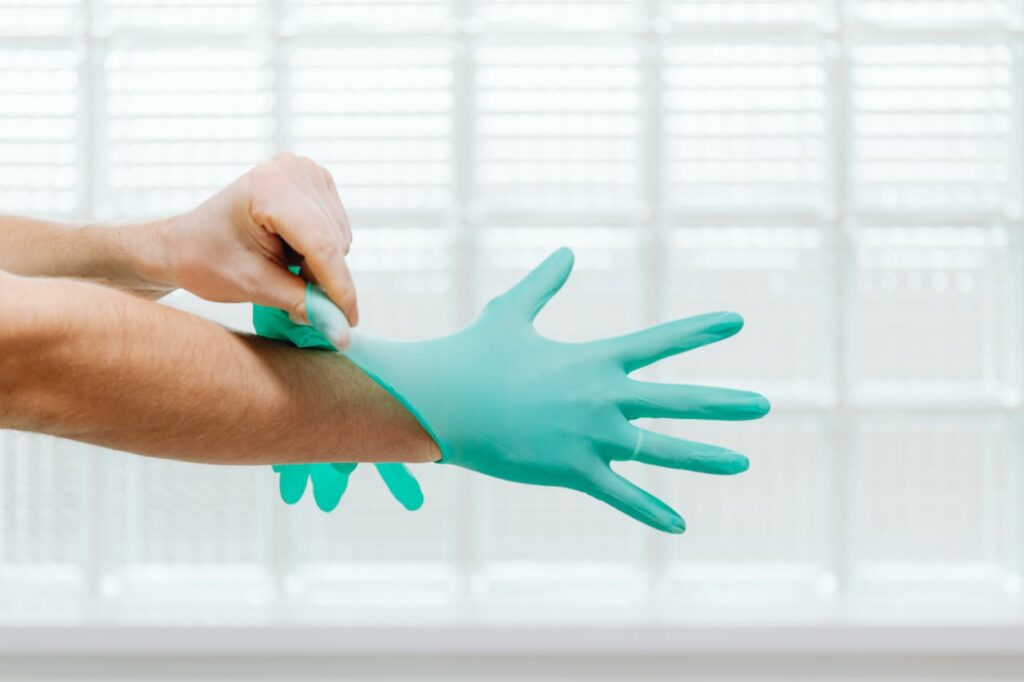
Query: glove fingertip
(292, 481)
(676, 525)
(292, 495)
(327, 506)
(412, 499)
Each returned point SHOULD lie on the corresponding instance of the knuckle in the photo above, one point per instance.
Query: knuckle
(260, 207)
(284, 157)
(328, 177)
(263, 178)
(327, 249)
(306, 164)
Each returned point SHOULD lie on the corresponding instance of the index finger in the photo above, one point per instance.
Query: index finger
(308, 230)
(326, 318)
(332, 273)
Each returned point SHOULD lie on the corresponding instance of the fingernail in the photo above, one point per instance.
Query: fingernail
(327, 318)
(341, 338)
(752, 406)
(298, 315)
(676, 526)
(726, 323)
(742, 464)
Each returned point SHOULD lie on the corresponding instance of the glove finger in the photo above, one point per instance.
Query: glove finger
(328, 486)
(279, 288)
(630, 499)
(293, 482)
(535, 289)
(684, 401)
(271, 322)
(648, 346)
(327, 318)
(275, 324)
(402, 484)
(650, 447)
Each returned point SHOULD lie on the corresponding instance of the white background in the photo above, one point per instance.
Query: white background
(847, 175)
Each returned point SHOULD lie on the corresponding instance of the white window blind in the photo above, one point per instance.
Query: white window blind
(180, 120)
(846, 174)
(744, 125)
(39, 153)
(557, 127)
(380, 115)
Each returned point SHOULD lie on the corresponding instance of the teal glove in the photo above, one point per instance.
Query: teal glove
(329, 480)
(502, 400)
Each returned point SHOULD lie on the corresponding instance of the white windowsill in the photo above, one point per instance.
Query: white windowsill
(768, 639)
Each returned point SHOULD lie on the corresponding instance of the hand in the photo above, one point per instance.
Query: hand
(237, 245)
(502, 400)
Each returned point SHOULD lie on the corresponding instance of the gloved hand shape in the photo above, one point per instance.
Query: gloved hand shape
(501, 399)
(329, 480)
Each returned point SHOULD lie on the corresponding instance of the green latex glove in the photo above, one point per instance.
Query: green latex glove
(329, 480)
(502, 400)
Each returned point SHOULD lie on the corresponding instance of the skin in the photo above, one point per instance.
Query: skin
(82, 360)
(234, 247)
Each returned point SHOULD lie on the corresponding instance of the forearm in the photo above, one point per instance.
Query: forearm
(128, 256)
(91, 364)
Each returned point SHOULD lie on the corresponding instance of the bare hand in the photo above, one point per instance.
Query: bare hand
(237, 245)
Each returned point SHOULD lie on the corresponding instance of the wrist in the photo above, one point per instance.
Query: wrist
(130, 256)
(153, 253)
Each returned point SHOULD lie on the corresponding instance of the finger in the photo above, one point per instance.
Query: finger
(529, 296)
(684, 401)
(308, 175)
(650, 447)
(327, 197)
(650, 345)
(340, 287)
(292, 481)
(278, 288)
(402, 484)
(329, 485)
(327, 318)
(305, 227)
(329, 190)
(636, 502)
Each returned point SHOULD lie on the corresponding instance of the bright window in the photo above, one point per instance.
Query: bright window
(847, 175)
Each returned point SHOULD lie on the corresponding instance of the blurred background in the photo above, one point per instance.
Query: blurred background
(847, 174)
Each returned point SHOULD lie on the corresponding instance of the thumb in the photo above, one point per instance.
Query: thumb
(278, 288)
(535, 289)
